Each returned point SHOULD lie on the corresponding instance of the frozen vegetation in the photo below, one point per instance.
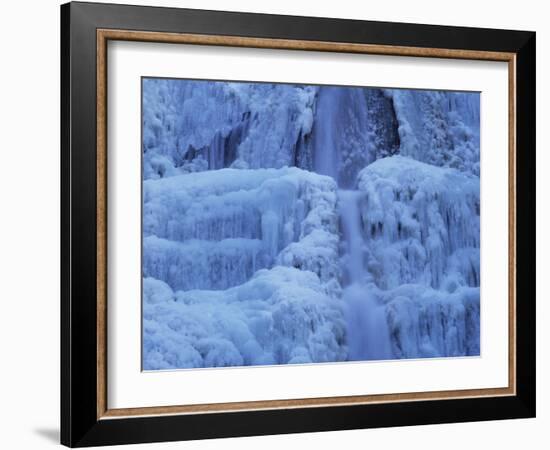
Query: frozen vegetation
(298, 224)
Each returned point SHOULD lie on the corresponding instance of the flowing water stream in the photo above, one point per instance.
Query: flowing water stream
(367, 326)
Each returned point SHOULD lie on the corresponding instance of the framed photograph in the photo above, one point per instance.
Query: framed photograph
(277, 224)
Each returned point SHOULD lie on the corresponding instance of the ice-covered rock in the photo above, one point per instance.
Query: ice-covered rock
(198, 264)
(318, 253)
(214, 229)
(279, 316)
(192, 125)
(414, 267)
(421, 223)
(427, 323)
(439, 127)
(352, 128)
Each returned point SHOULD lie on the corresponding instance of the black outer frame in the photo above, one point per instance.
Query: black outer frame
(79, 423)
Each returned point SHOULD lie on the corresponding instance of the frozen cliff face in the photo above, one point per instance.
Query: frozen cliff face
(280, 125)
(421, 223)
(194, 125)
(206, 300)
(352, 128)
(427, 323)
(439, 127)
(419, 257)
(215, 229)
(175, 137)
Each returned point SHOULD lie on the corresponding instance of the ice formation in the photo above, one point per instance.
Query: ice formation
(280, 316)
(297, 224)
(215, 229)
(420, 230)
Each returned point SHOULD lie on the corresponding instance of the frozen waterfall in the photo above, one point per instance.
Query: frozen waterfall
(327, 158)
(367, 326)
(351, 230)
(294, 224)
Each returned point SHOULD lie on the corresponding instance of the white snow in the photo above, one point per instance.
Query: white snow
(214, 229)
(192, 125)
(420, 232)
(198, 264)
(425, 322)
(437, 127)
(421, 223)
(280, 316)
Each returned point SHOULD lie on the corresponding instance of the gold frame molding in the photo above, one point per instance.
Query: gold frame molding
(105, 35)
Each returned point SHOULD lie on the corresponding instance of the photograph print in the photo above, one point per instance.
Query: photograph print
(301, 224)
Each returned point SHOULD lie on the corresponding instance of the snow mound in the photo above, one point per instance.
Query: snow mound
(421, 233)
(428, 323)
(214, 229)
(197, 264)
(280, 316)
(421, 224)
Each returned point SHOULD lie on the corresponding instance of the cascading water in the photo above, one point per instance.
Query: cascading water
(367, 326)
(325, 144)
(351, 227)
(368, 335)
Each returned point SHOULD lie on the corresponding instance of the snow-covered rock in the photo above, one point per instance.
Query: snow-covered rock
(352, 128)
(215, 229)
(427, 323)
(420, 222)
(439, 127)
(201, 264)
(419, 262)
(195, 125)
(279, 316)
(192, 125)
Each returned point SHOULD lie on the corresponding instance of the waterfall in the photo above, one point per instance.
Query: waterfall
(366, 322)
(296, 224)
(326, 152)
(367, 326)
(350, 219)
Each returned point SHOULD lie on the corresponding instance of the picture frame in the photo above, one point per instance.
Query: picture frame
(86, 30)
